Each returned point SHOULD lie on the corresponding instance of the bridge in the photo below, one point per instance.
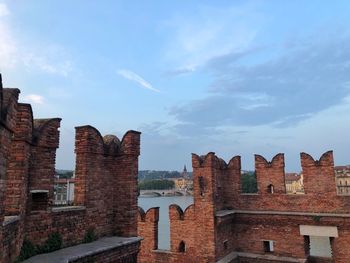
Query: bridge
(168, 192)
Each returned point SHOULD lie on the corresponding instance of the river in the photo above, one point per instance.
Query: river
(163, 204)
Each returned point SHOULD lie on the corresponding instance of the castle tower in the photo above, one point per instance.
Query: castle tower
(204, 186)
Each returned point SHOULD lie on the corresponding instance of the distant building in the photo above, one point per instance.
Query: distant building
(64, 191)
(184, 182)
(294, 183)
(342, 178)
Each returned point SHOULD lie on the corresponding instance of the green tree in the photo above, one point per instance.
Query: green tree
(248, 183)
(156, 185)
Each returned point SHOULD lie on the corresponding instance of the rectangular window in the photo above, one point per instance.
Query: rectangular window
(39, 200)
(268, 246)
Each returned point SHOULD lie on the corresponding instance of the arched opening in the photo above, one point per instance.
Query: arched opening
(270, 189)
(201, 185)
(182, 247)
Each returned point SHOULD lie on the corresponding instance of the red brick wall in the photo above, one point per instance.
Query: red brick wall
(125, 177)
(270, 174)
(43, 155)
(106, 183)
(195, 226)
(11, 242)
(182, 225)
(111, 165)
(205, 193)
(317, 175)
(217, 187)
(148, 230)
(126, 254)
(19, 161)
(5, 143)
(99, 185)
(11, 235)
(225, 237)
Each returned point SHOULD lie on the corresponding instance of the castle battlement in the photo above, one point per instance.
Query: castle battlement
(105, 184)
(225, 223)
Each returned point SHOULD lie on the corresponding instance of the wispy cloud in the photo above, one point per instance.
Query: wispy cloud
(279, 92)
(210, 32)
(48, 64)
(4, 10)
(8, 47)
(130, 75)
(179, 71)
(31, 56)
(34, 98)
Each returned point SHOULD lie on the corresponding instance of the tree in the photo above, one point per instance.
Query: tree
(156, 185)
(248, 183)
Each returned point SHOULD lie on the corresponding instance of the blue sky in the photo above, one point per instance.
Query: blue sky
(233, 77)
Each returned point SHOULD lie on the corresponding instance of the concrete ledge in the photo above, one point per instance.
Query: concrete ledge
(69, 254)
(223, 213)
(9, 220)
(270, 257)
(164, 251)
(320, 231)
(67, 208)
(38, 191)
(228, 258)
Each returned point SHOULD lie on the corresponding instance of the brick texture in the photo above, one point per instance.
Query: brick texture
(106, 183)
(223, 220)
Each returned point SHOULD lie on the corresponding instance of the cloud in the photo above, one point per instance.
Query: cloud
(281, 92)
(8, 46)
(179, 71)
(210, 32)
(33, 98)
(48, 64)
(4, 10)
(16, 53)
(136, 78)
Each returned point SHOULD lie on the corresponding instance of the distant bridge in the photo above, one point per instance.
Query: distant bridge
(171, 192)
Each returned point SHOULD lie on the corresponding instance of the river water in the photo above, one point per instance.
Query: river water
(163, 204)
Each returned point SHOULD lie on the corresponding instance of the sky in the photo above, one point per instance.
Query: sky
(230, 77)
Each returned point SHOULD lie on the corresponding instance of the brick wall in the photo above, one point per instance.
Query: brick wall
(125, 254)
(106, 181)
(224, 220)
(99, 186)
(148, 230)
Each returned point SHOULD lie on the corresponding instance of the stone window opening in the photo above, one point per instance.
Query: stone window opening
(201, 185)
(225, 244)
(270, 189)
(182, 247)
(268, 246)
(39, 200)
